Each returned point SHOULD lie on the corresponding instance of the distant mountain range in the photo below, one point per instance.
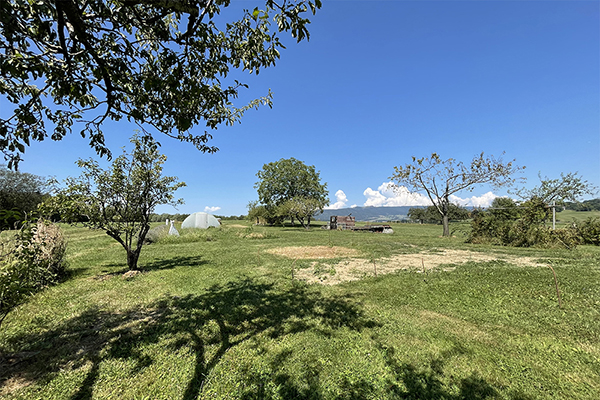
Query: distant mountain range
(369, 214)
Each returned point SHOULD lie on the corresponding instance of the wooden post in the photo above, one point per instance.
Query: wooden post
(553, 214)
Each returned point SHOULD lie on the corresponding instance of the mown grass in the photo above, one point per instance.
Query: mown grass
(568, 216)
(214, 315)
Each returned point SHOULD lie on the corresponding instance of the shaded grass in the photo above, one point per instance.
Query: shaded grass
(223, 319)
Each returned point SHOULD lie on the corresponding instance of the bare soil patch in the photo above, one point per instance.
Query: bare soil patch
(358, 268)
(312, 252)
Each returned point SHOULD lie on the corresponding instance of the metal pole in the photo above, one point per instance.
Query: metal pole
(553, 214)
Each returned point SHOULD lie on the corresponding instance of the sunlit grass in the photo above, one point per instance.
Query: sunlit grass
(215, 315)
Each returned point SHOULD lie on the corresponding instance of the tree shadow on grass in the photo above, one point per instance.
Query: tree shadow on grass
(411, 382)
(405, 381)
(172, 262)
(210, 324)
(156, 264)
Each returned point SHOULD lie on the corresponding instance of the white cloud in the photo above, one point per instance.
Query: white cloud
(387, 196)
(208, 209)
(341, 198)
(485, 200)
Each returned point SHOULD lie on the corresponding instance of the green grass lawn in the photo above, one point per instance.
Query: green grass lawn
(568, 216)
(217, 315)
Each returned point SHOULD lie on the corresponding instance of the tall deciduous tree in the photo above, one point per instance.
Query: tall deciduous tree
(121, 199)
(161, 64)
(287, 179)
(21, 191)
(440, 179)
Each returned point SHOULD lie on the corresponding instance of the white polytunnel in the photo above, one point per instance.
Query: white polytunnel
(200, 220)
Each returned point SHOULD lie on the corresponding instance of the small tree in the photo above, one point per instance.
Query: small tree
(256, 212)
(570, 187)
(417, 214)
(301, 208)
(121, 199)
(440, 179)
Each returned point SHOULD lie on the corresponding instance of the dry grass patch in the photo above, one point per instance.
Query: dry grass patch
(358, 268)
(313, 252)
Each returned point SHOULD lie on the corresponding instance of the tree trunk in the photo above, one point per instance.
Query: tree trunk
(446, 225)
(445, 212)
(132, 259)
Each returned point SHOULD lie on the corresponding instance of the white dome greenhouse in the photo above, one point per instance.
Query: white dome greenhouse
(200, 220)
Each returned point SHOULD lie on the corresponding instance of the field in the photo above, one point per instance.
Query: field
(283, 313)
(568, 216)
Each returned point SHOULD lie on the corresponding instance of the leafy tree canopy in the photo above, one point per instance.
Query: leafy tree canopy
(504, 209)
(301, 208)
(430, 214)
(21, 191)
(286, 179)
(158, 63)
(439, 178)
(119, 200)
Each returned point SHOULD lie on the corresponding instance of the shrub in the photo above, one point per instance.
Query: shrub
(157, 233)
(507, 225)
(30, 260)
(589, 231)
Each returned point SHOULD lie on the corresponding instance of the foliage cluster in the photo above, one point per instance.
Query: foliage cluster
(30, 260)
(569, 187)
(164, 216)
(589, 231)
(524, 225)
(231, 217)
(288, 188)
(121, 199)
(586, 205)
(160, 64)
(21, 192)
(431, 215)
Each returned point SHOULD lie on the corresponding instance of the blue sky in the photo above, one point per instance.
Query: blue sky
(381, 81)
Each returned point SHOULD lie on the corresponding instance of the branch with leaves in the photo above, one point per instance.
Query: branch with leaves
(162, 64)
(440, 179)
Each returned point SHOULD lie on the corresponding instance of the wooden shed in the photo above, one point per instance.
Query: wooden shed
(342, 222)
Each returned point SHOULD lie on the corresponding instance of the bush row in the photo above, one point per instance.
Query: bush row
(522, 233)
